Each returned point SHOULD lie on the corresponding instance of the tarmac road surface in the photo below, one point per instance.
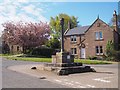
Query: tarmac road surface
(12, 79)
(19, 74)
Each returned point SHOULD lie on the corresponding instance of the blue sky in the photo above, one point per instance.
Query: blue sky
(87, 12)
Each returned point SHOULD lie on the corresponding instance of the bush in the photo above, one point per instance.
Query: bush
(92, 57)
(53, 43)
(114, 57)
(42, 52)
(117, 56)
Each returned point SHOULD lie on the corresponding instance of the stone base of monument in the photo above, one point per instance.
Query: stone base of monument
(63, 64)
(65, 69)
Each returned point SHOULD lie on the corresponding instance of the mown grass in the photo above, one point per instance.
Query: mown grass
(84, 61)
(36, 59)
(30, 59)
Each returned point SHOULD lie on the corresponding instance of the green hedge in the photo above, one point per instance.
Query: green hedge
(42, 52)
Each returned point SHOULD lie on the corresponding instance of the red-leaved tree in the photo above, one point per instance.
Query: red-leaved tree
(27, 35)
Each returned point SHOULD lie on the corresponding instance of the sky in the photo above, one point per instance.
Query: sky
(35, 11)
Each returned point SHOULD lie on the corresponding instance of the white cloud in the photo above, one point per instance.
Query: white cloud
(21, 10)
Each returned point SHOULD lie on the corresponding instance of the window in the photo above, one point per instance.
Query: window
(73, 38)
(11, 47)
(98, 35)
(17, 48)
(99, 50)
(74, 51)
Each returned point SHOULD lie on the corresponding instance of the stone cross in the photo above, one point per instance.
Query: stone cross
(62, 34)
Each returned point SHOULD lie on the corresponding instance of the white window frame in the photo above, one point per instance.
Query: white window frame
(73, 50)
(99, 50)
(99, 35)
(73, 38)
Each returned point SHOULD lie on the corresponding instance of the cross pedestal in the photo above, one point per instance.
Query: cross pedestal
(62, 58)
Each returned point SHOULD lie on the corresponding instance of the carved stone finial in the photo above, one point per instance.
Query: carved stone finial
(98, 16)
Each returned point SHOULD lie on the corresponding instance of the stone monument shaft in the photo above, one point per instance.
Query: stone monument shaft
(62, 34)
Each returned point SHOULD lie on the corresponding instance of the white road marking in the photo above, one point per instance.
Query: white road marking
(58, 80)
(77, 82)
(90, 86)
(68, 83)
(79, 86)
(73, 84)
(102, 80)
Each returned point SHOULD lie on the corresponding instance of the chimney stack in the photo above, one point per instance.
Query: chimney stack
(115, 25)
(69, 27)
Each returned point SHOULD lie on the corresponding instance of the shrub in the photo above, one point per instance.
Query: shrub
(117, 56)
(111, 53)
(92, 57)
(42, 52)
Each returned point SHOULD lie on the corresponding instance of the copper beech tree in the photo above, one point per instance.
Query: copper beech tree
(27, 35)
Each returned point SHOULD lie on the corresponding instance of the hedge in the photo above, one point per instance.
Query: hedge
(42, 52)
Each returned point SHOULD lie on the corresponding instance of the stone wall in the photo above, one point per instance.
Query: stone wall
(91, 42)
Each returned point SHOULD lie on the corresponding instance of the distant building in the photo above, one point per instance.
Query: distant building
(88, 41)
(11, 48)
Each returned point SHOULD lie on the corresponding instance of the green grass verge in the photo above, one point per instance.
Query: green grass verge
(34, 59)
(29, 59)
(5, 55)
(84, 61)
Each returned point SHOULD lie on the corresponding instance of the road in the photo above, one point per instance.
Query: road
(18, 74)
(11, 79)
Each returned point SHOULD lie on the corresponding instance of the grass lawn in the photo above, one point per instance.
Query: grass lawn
(87, 61)
(5, 55)
(29, 59)
(35, 59)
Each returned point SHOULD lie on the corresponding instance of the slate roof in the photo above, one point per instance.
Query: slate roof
(77, 30)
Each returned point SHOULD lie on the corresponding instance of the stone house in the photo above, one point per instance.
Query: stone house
(89, 41)
(11, 48)
(15, 49)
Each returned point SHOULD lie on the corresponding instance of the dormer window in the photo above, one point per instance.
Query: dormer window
(73, 38)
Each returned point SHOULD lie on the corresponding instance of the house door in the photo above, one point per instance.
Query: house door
(82, 53)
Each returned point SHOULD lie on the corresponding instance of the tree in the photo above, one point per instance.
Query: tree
(5, 48)
(56, 28)
(110, 49)
(27, 35)
(119, 22)
(55, 23)
(111, 53)
(53, 43)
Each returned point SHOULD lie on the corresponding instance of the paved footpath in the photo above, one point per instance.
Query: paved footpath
(105, 77)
